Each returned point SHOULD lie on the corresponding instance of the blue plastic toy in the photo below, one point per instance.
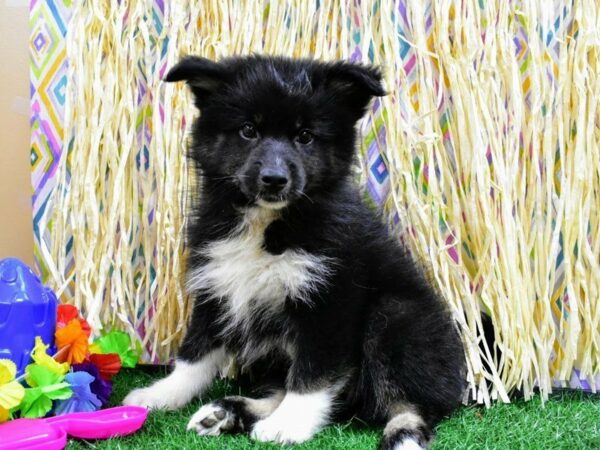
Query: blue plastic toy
(27, 310)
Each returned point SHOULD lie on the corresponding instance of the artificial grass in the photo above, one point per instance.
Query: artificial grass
(570, 420)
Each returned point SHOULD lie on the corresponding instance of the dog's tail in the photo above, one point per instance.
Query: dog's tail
(406, 429)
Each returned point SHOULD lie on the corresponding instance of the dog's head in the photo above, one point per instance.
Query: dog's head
(276, 129)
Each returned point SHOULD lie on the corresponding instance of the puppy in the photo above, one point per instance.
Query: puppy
(293, 273)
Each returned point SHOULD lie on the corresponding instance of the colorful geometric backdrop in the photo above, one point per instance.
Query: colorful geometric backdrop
(434, 155)
(48, 22)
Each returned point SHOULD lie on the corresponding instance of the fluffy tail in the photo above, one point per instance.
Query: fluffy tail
(406, 430)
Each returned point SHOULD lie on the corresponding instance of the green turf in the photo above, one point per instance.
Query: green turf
(568, 421)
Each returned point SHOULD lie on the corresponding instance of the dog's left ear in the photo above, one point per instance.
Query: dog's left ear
(354, 84)
(202, 75)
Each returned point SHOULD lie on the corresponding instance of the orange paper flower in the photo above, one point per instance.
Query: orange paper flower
(74, 337)
(65, 313)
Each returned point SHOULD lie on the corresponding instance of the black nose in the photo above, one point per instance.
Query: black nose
(273, 179)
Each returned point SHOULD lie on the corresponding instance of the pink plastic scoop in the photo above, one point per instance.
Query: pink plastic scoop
(51, 433)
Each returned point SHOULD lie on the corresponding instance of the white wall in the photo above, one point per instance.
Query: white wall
(16, 234)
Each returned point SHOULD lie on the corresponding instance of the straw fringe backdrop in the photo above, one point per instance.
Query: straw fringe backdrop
(485, 156)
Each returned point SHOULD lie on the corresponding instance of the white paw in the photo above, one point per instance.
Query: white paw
(211, 420)
(272, 429)
(158, 396)
(408, 444)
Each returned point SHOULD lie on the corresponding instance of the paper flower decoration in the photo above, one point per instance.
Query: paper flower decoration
(74, 337)
(83, 399)
(50, 384)
(45, 387)
(11, 391)
(65, 313)
(117, 342)
(41, 358)
(108, 364)
(100, 388)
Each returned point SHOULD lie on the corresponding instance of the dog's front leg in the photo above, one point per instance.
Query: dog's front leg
(308, 402)
(298, 418)
(200, 357)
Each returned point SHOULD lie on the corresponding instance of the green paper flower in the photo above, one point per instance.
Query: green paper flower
(119, 342)
(46, 386)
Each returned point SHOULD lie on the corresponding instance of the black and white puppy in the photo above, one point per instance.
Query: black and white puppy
(291, 271)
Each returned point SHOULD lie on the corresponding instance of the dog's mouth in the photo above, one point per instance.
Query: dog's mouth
(272, 201)
(271, 205)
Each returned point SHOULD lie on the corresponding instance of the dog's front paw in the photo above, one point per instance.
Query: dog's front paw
(149, 397)
(159, 396)
(211, 420)
(272, 429)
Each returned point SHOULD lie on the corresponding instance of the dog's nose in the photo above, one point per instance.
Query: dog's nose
(273, 179)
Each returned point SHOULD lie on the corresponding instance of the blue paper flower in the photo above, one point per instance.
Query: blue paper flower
(83, 399)
(101, 388)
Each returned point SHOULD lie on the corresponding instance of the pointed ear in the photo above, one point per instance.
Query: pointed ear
(355, 84)
(202, 75)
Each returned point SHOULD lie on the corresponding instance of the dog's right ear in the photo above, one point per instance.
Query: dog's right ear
(202, 75)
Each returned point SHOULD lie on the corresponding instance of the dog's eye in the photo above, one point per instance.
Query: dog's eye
(247, 131)
(304, 137)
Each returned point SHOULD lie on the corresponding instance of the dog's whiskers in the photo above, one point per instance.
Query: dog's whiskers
(226, 178)
(302, 194)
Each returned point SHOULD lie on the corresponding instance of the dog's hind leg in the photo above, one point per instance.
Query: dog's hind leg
(414, 369)
(406, 429)
(234, 414)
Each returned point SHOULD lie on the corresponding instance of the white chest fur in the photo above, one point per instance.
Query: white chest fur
(248, 278)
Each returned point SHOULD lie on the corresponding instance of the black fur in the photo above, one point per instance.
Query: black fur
(377, 324)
